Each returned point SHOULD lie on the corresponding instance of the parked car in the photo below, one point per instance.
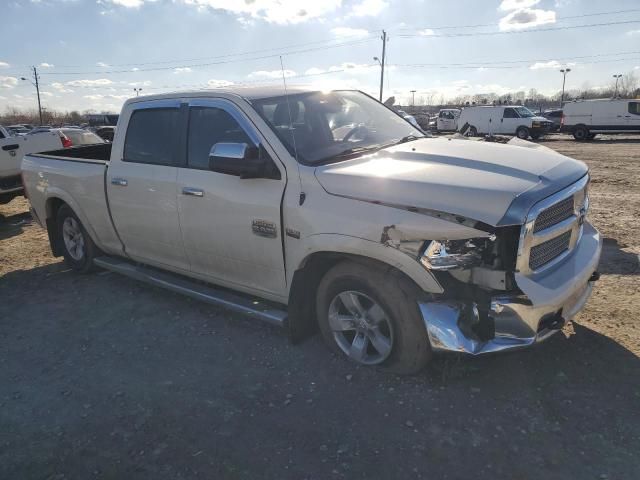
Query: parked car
(503, 119)
(78, 136)
(584, 119)
(106, 133)
(447, 120)
(12, 149)
(40, 129)
(18, 129)
(554, 116)
(394, 245)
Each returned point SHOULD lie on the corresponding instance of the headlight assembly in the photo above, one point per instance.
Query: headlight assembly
(450, 254)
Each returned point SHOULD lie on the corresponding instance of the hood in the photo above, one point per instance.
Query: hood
(539, 119)
(492, 183)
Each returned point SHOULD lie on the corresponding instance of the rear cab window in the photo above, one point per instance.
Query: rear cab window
(153, 136)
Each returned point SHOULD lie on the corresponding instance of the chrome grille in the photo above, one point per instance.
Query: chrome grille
(554, 214)
(552, 229)
(545, 252)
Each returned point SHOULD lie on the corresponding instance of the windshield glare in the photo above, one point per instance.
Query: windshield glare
(326, 125)
(524, 112)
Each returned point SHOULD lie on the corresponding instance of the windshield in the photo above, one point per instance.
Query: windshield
(524, 112)
(325, 127)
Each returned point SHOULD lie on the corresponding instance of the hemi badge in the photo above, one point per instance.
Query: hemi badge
(292, 233)
(264, 228)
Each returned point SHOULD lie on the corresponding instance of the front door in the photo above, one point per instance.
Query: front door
(510, 121)
(231, 226)
(141, 186)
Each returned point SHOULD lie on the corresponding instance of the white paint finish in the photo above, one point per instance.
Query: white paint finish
(474, 179)
(490, 120)
(602, 112)
(145, 212)
(39, 142)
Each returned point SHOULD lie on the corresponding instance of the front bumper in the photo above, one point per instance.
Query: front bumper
(547, 303)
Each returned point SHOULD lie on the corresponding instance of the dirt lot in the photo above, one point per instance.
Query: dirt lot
(102, 377)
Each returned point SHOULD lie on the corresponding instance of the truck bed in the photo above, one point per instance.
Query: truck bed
(100, 152)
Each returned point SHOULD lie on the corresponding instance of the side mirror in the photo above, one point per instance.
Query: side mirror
(241, 160)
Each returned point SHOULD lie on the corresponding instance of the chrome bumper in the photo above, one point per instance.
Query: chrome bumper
(548, 301)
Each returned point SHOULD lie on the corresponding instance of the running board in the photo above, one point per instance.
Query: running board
(246, 305)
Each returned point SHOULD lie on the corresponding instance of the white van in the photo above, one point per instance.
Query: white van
(586, 118)
(447, 120)
(503, 119)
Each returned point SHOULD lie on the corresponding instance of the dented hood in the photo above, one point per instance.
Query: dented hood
(493, 183)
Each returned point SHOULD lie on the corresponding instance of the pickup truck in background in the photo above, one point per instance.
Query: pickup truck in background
(327, 210)
(12, 149)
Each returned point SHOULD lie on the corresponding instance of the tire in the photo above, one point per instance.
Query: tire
(535, 136)
(581, 133)
(473, 132)
(370, 315)
(522, 133)
(77, 247)
(591, 136)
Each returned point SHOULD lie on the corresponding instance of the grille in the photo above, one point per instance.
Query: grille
(554, 214)
(545, 252)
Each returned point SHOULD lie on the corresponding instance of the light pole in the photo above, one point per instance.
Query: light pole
(413, 98)
(617, 77)
(37, 85)
(564, 72)
(381, 62)
(137, 90)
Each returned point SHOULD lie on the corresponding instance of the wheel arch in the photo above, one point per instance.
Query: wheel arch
(52, 204)
(302, 321)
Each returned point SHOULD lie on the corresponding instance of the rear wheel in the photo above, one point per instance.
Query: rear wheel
(581, 133)
(522, 133)
(472, 132)
(78, 248)
(372, 320)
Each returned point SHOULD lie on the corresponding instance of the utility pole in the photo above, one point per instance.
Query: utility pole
(617, 77)
(564, 72)
(384, 50)
(37, 85)
(137, 90)
(413, 98)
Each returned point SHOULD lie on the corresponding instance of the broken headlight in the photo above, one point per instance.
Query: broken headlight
(450, 254)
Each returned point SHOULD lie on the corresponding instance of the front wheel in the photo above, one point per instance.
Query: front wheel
(581, 133)
(78, 248)
(371, 319)
(522, 133)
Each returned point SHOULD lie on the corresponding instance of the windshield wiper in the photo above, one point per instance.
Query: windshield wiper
(409, 138)
(348, 153)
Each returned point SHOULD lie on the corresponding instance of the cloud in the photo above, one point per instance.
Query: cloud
(633, 32)
(272, 11)
(4, 64)
(272, 74)
(345, 67)
(349, 32)
(367, 8)
(8, 82)
(102, 64)
(182, 70)
(427, 32)
(526, 18)
(128, 3)
(549, 65)
(60, 87)
(314, 71)
(110, 97)
(101, 82)
(508, 5)
(146, 83)
(135, 69)
(46, 94)
(219, 83)
(46, 65)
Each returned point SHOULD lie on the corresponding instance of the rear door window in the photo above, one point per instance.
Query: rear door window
(208, 126)
(634, 108)
(153, 136)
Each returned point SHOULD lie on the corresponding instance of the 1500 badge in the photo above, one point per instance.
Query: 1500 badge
(264, 228)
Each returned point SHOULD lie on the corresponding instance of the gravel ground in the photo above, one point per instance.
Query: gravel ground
(102, 377)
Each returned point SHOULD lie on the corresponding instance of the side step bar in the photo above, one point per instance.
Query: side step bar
(233, 301)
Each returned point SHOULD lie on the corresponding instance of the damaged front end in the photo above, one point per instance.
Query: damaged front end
(495, 296)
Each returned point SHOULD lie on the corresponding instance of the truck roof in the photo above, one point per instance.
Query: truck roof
(248, 93)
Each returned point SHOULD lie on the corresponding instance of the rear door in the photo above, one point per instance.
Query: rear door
(632, 116)
(231, 226)
(141, 186)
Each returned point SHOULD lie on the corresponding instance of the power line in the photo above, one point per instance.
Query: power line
(208, 64)
(513, 32)
(451, 27)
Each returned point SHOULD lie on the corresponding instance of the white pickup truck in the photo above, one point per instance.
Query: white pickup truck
(328, 211)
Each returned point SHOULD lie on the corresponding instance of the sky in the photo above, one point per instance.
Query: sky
(91, 54)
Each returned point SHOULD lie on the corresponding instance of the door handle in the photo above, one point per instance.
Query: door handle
(8, 148)
(194, 192)
(121, 182)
